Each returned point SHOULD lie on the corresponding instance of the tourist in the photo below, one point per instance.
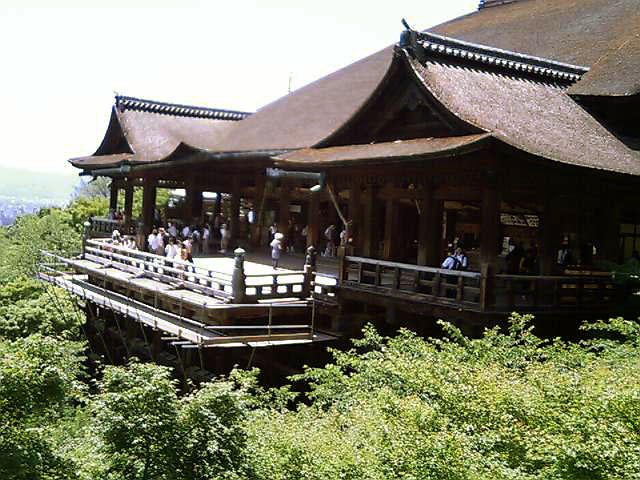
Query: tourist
(225, 236)
(451, 262)
(204, 246)
(152, 240)
(161, 240)
(186, 231)
(329, 234)
(273, 229)
(172, 230)
(171, 250)
(188, 245)
(276, 248)
(463, 261)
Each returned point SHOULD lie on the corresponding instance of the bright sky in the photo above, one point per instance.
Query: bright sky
(62, 64)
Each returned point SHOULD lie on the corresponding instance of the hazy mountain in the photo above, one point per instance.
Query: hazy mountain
(36, 186)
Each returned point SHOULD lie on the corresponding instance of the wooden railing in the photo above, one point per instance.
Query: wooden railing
(581, 291)
(401, 279)
(101, 226)
(498, 293)
(235, 286)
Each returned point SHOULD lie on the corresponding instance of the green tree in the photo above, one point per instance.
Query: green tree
(38, 376)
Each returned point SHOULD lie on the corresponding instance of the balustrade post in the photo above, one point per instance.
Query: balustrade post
(238, 279)
(309, 268)
(85, 236)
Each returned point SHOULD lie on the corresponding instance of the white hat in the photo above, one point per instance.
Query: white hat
(278, 236)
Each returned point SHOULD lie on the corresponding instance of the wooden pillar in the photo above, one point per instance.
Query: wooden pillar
(113, 196)
(196, 205)
(430, 228)
(283, 220)
(128, 206)
(234, 212)
(490, 225)
(258, 208)
(391, 231)
(609, 231)
(148, 205)
(369, 237)
(355, 215)
(550, 231)
(218, 206)
(313, 220)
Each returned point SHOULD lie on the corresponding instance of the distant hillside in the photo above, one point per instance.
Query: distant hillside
(29, 185)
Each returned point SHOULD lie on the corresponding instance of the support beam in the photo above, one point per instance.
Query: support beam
(355, 215)
(284, 216)
(550, 231)
(430, 228)
(490, 226)
(489, 241)
(234, 213)
(194, 204)
(128, 206)
(369, 237)
(258, 208)
(113, 196)
(313, 220)
(148, 205)
(391, 231)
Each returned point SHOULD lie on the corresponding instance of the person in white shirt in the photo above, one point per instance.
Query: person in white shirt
(225, 235)
(186, 231)
(152, 240)
(205, 238)
(171, 250)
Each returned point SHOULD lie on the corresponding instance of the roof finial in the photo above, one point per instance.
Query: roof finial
(409, 40)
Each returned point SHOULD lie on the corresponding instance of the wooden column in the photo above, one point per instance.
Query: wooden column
(218, 206)
(313, 220)
(391, 232)
(196, 205)
(430, 228)
(234, 212)
(369, 237)
(490, 225)
(128, 206)
(148, 205)
(283, 220)
(489, 241)
(609, 231)
(550, 231)
(113, 196)
(355, 215)
(258, 208)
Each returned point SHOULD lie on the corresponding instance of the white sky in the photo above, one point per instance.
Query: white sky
(61, 64)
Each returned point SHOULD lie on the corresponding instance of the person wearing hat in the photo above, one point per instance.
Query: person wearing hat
(276, 248)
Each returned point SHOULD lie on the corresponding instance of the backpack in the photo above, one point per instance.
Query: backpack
(456, 263)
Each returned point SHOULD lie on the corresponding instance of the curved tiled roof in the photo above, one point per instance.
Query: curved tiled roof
(577, 32)
(534, 116)
(138, 104)
(313, 113)
(400, 150)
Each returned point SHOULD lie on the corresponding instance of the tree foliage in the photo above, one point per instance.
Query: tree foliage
(502, 406)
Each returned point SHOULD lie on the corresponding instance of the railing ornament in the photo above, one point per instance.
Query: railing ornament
(309, 268)
(238, 279)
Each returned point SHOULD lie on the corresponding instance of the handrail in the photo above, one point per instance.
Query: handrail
(194, 276)
(408, 266)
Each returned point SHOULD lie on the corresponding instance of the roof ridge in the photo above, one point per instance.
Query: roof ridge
(139, 104)
(494, 3)
(524, 63)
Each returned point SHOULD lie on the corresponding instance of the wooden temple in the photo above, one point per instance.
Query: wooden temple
(516, 125)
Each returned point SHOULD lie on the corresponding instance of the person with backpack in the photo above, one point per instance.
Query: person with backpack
(451, 262)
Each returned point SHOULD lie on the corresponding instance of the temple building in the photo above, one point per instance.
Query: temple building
(512, 128)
